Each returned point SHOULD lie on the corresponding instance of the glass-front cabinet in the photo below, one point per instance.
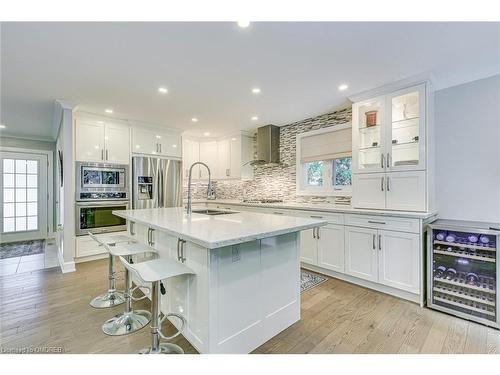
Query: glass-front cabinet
(389, 132)
(406, 131)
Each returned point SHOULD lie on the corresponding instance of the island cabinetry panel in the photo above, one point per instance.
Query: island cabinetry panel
(240, 296)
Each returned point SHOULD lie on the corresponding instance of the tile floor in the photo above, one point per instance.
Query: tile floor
(28, 263)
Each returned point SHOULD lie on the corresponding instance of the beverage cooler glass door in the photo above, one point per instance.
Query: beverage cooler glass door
(406, 129)
(463, 268)
(368, 136)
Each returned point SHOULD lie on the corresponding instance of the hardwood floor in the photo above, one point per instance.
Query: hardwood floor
(46, 308)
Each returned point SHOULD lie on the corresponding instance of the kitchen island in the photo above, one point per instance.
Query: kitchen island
(246, 287)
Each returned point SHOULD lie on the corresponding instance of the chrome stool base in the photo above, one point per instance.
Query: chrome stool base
(127, 322)
(109, 299)
(165, 348)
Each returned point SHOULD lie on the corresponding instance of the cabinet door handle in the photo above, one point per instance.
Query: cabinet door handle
(388, 187)
(183, 258)
(316, 217)
(179, 241)
(106, 155)
(132, 228)
(314, 232)
(160, 147)
(317, 233)
(277, 213)
(152, 242)
(228, 173)
(382, 161)
(380, 242)
(102, 154)
(149, 236)
(373, 242)
(388, 160)
(382, 183)
(376, 222)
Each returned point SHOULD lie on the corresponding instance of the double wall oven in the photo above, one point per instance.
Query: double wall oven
(100, 189)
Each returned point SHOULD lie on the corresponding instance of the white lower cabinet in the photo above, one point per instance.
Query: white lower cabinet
(308, 247)
(331, 247)
(361, 253)
(398, 260)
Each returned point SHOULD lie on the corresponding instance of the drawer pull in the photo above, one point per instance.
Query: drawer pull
(316, 217)
(373, 242)
(277, 213)
(375, 222)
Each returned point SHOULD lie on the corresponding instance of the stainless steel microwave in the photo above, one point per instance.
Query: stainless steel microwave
(101, 181)
(97, 217)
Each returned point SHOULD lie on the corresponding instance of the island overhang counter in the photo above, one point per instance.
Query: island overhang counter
(246, 287)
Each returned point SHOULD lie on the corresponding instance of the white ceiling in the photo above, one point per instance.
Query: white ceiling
(210, 68)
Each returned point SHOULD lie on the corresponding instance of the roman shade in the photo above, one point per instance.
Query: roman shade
(326, 146)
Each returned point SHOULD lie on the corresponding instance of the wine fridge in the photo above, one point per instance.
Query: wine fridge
(462, 269)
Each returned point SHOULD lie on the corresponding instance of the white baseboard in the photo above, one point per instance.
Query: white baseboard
(417, 298)
(65, 266)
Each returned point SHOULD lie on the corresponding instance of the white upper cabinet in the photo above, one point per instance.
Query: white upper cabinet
(227, 157)
(190, 155)
(405, 135)
(389, 162)
(208, 155)
(117, 143)
(102, 141)
(89, 141)
(368, 136)
(156, 142)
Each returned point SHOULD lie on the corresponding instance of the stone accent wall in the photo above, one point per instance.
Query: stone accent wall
(274, 182)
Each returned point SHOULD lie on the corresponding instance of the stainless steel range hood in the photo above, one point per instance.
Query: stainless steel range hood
(268, 145)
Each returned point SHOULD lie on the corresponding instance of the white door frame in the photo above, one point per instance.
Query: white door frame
(50, 182)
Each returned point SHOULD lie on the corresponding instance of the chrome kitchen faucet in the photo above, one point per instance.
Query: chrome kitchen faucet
(210, 190)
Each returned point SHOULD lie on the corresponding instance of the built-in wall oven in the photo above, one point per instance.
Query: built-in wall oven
(101, 188)
(97, 217)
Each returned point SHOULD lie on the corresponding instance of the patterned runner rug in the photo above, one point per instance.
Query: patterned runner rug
(309, 280)
(21, 248)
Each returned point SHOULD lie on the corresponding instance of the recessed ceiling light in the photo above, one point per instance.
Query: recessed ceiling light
(243, 24)
(2, 126)
(162, 90)
(256, 90)
(194, 119)
(108, 110)
(206, 134)
(255, 118)
(343, 87)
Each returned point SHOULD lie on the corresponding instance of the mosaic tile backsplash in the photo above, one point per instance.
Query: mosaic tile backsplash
(274, 181)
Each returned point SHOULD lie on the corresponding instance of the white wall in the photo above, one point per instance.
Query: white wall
(467, 130)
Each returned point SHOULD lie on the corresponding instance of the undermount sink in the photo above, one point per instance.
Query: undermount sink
(212, 212)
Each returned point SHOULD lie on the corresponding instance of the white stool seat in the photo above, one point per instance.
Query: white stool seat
(127, 249)
(112, 239)
(159, 269)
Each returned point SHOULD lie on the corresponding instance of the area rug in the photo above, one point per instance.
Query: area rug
(21, 248)
(309, 280)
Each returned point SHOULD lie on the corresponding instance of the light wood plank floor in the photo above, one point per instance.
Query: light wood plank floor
(46, 308)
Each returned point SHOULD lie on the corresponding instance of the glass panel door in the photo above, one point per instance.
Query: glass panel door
(406, 142)
(23, 212)
(370, 135)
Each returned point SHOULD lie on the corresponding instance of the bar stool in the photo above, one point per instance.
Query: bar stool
(153, 272)
(111, 297)
(130, 320)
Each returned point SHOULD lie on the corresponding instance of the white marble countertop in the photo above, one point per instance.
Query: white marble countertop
(323, 207)
(221, 230)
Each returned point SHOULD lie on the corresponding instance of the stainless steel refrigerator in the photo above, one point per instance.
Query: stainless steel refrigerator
(156, 182)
